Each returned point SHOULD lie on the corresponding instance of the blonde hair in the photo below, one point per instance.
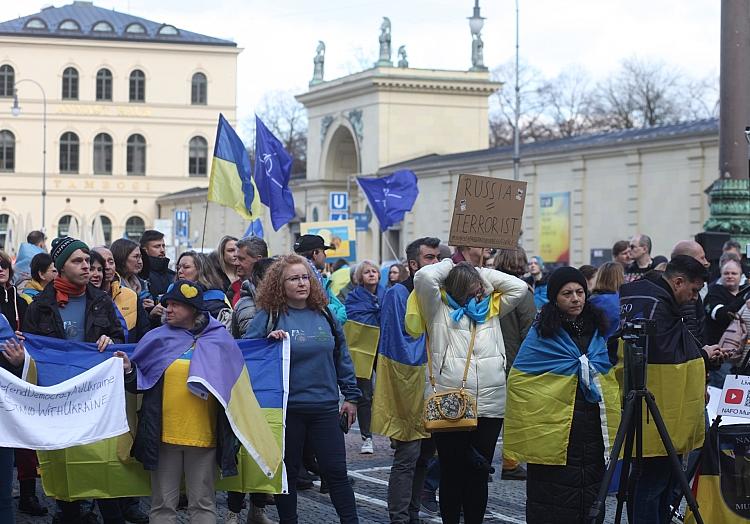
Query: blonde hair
(610, 277)
(360, 269)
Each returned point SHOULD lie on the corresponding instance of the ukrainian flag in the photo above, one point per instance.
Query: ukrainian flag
(541, 395)
(362, 340)
(398, 401)
(231, 184)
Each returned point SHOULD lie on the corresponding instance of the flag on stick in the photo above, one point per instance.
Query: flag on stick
(273, 165)
(390, 197)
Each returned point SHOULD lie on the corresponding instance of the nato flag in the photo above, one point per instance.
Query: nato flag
(390, 197)
(273, 165)
(255, 229)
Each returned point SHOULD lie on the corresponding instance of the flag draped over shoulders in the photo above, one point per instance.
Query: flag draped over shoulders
(398, 401)
(362, 328)
(541, 395)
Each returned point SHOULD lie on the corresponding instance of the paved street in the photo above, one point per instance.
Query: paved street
(506, 505)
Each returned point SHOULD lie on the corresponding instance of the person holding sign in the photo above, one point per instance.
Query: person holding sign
(461, 308)
(293, 303)
(363, 326)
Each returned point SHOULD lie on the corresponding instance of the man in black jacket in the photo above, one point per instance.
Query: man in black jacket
(72, 309)
(154, 249)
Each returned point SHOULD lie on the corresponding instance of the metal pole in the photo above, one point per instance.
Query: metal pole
(516, 132)
(44, 149)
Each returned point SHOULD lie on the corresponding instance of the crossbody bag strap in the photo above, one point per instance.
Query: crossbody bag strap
(468, 357)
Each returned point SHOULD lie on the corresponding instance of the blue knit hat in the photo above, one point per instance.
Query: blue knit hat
(185, 291)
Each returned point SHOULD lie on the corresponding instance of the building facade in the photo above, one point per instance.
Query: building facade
(131, 110)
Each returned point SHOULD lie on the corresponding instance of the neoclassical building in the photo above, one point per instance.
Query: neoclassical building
(131, 110)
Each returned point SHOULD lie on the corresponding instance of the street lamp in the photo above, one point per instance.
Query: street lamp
(476, 22)
(16, 111)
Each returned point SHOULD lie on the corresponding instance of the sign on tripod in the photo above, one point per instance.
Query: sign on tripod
(735, 397)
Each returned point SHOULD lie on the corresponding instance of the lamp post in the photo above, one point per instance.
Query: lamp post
(16, 111)
(476, 22)
(517, 116)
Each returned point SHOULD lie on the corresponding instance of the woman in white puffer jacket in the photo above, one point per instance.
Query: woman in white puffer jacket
(452, 300)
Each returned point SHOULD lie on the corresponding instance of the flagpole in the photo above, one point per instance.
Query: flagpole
(385, 237)
(205, 220)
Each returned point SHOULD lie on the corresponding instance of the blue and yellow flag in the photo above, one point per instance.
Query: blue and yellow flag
(105, 469)
(231, 183)
(541, 395)
(398, 401)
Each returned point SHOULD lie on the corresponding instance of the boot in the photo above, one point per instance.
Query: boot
(257, 515)
(28, 502)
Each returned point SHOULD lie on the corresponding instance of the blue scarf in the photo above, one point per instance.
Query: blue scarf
(476, 311)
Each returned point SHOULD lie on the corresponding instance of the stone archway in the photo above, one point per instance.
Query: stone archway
(341, 157)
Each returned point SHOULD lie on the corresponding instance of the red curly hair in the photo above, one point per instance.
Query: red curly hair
(271, 294)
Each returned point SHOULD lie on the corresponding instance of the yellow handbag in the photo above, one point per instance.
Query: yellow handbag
(454, 409)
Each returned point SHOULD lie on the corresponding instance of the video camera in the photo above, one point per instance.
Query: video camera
(637, 328)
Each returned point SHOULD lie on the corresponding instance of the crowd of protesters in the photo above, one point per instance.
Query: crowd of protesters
(495, 323)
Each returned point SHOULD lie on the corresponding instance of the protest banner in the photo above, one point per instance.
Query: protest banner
(487, 212)
(339, 234)
(84, 409)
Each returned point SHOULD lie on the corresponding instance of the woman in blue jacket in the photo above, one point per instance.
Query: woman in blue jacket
(363, 305)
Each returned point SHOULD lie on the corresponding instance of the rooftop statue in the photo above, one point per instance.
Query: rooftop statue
(319, 63)
(385, 43)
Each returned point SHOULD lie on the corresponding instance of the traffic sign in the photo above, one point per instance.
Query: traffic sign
(339, 216)
(338, 201)
(182, 224)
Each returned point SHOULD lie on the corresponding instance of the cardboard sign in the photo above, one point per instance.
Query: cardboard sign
(487, 212)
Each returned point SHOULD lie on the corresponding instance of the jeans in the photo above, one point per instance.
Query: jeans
(432, 478)
(327, 441)
(235, 500)
(462, 485)
(364, 407)
(111, 510)
(716, 376)
(407, 479)
(7, 511)
(652, 491)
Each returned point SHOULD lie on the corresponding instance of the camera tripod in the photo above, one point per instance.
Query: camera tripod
(630, 432)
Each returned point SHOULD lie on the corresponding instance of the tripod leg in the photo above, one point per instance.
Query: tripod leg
(676, 466)
(622, 431)
(623, 493)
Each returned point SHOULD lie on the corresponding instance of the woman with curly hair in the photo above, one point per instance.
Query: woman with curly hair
(292, 303)
(563, 403)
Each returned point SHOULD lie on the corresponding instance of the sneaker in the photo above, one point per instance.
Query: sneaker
(232, 518)
(257, 515)
(517, 473)
(31, 506)
(429, 505)
(367, 448)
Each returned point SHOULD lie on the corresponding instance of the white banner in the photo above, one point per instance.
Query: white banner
(84, 409)
(735, 397)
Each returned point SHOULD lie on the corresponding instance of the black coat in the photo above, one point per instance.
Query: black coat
(148, 436)
(159, 276)
(720, 304)
(43, 316)
(11, 305)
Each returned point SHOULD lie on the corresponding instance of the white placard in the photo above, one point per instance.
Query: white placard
(84, 409)
(735, 397)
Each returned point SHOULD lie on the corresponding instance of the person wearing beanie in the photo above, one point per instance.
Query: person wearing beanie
(563, 403)
(71, 309)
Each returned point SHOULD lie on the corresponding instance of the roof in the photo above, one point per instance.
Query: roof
(707, 127)
(87, 21)
(185, 193)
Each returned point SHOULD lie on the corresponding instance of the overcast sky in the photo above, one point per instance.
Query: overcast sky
(279, 37)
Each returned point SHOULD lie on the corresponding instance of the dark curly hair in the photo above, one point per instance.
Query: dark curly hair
(550, 321)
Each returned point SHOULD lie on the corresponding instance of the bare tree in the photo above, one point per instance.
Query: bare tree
(287, 120)
(567, 103)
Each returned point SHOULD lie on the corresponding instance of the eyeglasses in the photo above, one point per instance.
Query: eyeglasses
(298, 278)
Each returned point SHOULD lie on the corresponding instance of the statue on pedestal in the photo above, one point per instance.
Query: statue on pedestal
(402, 61)
(319, 63)
(385, 43)
(477, 54)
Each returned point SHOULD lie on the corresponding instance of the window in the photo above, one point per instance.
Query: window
(69, 147)
(135, 29)
(199, 88)
(7, 151)
(137, 86)
(198, 157)
(104, 84)
(4, 219)
(70, 84)
(168, 30)
(134, 228)
(103, 27)
(136, 155)
(101, 235)
(69, 25)
(35, 23)
(102, 154)
(107, 229)
(63, 225)
(7, 80)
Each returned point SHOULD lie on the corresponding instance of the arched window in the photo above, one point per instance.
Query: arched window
(136, 155)
(7, 151)
(199, 89)
(107, 228)
(102, 154)
(69, 149)
(7, 80)
(4, 219)
(69, 25)
(104, 84)
(70, 84)
(135, 29)
(104, 235)
(103, 27)
(137, 86)
(134, 228)
(198, 157)
(63, 225)
(35, 23)
(168, 30)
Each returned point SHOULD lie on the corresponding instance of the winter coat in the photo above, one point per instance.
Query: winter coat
(135, 319)
(720, 305)
(13, 306)
(43, 316)
(216, 303)
(244, 309)
(159, 276)
(449, 340)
